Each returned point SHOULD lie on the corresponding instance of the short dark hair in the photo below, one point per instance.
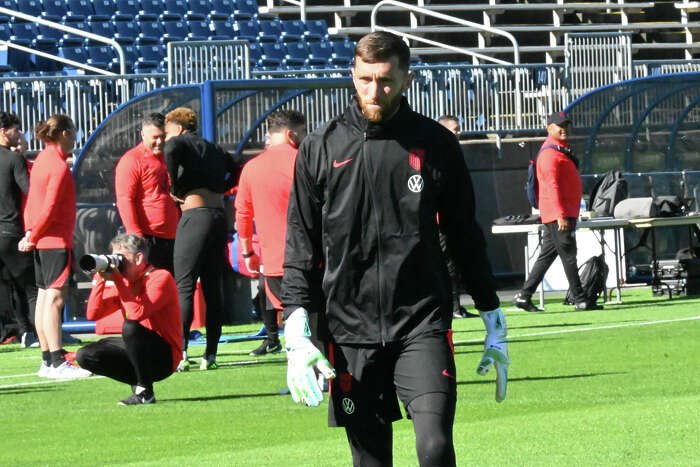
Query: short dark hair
(131, 243)
(155, 119)
(50, 130)
(8, 120)
(380, 46)
(280, 119)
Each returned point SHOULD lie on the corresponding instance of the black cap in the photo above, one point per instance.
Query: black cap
(558, 118)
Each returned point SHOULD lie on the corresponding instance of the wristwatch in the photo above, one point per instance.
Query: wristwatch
(249, 254)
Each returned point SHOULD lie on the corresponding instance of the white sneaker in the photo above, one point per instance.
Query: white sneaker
(68, 370)
(184, 364)
(28, 340)
(208, 363)
(44, 370)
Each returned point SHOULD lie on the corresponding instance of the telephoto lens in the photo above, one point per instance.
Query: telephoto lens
(99, 263)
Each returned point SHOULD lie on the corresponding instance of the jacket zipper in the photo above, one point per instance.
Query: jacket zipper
(379, 242)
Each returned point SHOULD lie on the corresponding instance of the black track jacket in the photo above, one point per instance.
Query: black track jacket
(362, 226)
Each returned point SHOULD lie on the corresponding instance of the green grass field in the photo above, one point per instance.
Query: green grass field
(612, 387)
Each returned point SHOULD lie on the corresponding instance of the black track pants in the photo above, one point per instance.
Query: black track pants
(19, 268)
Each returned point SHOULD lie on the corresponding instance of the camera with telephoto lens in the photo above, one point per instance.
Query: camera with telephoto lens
(100, 263)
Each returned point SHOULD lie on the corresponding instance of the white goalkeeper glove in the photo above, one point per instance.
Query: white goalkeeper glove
(302, 358)
(495, 350)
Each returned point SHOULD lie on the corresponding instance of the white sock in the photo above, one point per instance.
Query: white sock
(139, 389)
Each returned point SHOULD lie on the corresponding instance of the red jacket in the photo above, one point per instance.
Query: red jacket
(154, 304)
(263, 195)
(142, 185)
(559, 184)
(50, 209)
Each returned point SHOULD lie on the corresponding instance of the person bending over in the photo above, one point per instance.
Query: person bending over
(200, 172)
(151, 343)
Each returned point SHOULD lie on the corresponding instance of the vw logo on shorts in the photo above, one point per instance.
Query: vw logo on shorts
(348, 406)
(415, 183)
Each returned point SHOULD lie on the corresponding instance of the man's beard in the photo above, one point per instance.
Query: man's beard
(381, 114)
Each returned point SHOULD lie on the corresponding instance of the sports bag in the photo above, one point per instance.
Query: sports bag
(607, 192)
(594, 275)
(632, 208)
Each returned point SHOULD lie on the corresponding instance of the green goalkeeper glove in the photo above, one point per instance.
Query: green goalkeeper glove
(302, 358)
(495, 350)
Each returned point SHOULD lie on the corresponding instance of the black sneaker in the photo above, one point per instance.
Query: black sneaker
(266, 348)
(525, 303)
(585, 306)
(146, 397)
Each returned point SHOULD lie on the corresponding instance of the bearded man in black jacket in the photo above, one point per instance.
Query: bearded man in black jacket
(372, 190)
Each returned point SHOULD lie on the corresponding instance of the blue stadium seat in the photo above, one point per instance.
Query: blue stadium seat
(199, 31)
(32, 7)
(151, 33)
(223, 29)
(55, 10)
(247, 30)
(75, 53)
(131, 56)
(10, 5)
(100, 56)
(43, 64)
(174, 31)
(222, 7)
(206, 9)
(132, 9)
(297, 51)
(180, 8)
(109, 9)
(152, 52)
(320, 52)
(343, 50)
(83, 8)
(145, 67)
(273, 55)
(240, 16)
(317, 28)
(101, 28)
(126, 32)
(24, 33)
(254, 54)
(70, 40)
(271, 29)
(246, 6)
(46, 32)
(5, 31)
(294, 28)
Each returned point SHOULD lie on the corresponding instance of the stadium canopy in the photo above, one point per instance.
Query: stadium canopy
(643, 125)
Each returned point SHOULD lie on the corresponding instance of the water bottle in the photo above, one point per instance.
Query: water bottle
(582, 209)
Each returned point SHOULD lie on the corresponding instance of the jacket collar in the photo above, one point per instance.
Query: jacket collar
(395, 124)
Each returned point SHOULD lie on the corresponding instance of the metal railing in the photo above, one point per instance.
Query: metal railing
(198, 61)
(88, 100)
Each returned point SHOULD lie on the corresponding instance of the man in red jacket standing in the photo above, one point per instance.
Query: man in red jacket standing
(263, 196)
(559, 194)
(142, 186)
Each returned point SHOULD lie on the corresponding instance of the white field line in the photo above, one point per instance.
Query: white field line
(469, 341)
(17, 376)
(596, 328)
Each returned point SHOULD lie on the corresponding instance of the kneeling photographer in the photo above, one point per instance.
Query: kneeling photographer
(151, 343)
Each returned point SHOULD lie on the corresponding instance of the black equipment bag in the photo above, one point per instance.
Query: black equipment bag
(670, 206)
(607, 192)
(594, 275)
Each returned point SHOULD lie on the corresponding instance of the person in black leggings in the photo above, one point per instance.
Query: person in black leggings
(18, 266)
(200, 172)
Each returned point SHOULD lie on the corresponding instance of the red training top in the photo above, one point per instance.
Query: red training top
(152, 301)
(559, 184)
(50, 209)
(263, 195)
(142, 185)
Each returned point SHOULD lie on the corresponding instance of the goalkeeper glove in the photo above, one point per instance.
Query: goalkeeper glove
(302, 358)
(495, 350)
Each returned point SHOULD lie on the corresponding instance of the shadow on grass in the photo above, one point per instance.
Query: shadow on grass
(224, 397)
(542, 378)
(25, 390)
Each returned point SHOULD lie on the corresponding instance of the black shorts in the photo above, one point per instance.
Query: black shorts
(52, 268)
(273, 290)
(369, 379)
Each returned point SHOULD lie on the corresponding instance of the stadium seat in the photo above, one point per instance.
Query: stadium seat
(100, 56)
(240, 16)
(174, 31)
(34, 8)
(145, 67)
(246, 6)
(84, 9)
(109, 9)
(126, 32)
(343, 50)
(52, 34)
(199, 31)
(10, 5)
(55, 10)
(296, 28)
(101, 28)
(317, 28)
(254, 54)
(152, 52)
(271, 29)
(206, 9)
(222, 7)
(151, 33)
(71, 39)
(181, 10)
(77, 54)
(320, 52)
(298, 50)
(24, 33)
(133, 9)
(5, 31)
(247, 30)
(223, 29)
(273, 55)
(131, 56)
(44, 64)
